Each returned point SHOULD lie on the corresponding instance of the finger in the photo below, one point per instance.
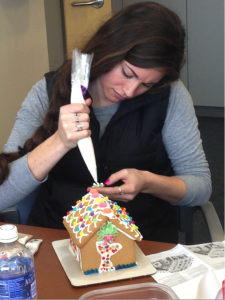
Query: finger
(115, 197)
(117, 176)
(81, 126)
(108, 190)
(71, 127)
(114, 193)
(88, 101)
(124, 188)
(74, 108)
(78, 135)
(73, 118)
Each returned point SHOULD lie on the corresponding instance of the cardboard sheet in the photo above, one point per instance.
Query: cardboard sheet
(22, 235)
(77, 278)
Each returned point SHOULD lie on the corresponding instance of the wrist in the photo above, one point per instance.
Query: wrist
(148, 180)
(60, 146)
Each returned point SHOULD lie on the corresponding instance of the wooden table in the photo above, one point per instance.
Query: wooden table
(52, 282)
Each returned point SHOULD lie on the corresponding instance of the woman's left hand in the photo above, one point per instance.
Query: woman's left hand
(134, 181)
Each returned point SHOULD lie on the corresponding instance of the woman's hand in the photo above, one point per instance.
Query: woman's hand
(68, 132)
(171, 189)
(134, 182)
(45, 156)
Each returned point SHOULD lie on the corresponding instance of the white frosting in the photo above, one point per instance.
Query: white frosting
(126, 234)
(106, 265)
(97, 211)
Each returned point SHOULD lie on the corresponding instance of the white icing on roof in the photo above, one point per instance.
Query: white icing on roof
(89, 210)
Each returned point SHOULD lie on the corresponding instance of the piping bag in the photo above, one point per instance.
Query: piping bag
(81, 64)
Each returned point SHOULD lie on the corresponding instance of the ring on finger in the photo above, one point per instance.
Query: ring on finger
(120, 191)
(77, 117)
(79, 126)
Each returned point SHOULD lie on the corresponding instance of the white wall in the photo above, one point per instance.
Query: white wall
(23, 56)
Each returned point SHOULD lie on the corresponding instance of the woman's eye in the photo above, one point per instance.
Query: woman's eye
(148, 86)
(125, 74)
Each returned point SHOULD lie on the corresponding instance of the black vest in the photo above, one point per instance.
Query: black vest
(132, 139)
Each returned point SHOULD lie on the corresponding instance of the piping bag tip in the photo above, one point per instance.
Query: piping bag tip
(87, 151)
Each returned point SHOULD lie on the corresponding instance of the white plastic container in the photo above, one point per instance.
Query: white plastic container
(149, 290)
(17, 275)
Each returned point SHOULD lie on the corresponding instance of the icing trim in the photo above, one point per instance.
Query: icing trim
(126, 234)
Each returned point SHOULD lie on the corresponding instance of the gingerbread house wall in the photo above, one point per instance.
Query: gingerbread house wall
(127, 254)
(91, 259)
(89, 255)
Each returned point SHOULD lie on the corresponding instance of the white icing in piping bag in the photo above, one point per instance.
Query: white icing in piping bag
(81, 64)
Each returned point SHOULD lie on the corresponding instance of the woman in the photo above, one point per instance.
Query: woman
(141, 120)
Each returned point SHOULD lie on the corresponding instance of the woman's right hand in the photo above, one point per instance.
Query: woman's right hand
(68, 132)
(45, 156)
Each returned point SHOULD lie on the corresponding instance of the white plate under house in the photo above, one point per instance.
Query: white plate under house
(78, 278)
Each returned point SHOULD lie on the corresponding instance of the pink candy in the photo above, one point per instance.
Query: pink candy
(102, 204)
(95, 195)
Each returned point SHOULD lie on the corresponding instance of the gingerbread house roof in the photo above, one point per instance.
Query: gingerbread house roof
(91, 212)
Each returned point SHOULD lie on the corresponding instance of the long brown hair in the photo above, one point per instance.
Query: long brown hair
(147, 35)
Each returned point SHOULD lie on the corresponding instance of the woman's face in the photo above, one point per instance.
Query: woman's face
(126, 81)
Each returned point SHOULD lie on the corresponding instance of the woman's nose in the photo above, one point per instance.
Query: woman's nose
(130, 88)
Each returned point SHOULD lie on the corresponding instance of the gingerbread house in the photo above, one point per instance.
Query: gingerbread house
(102, 234)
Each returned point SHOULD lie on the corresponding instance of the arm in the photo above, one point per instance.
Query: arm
(44, 157)
(21, 181)
(171, 189)
(182, 140)
(31, 170)
(191, 184)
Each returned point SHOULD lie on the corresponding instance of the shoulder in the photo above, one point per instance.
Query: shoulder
(30, 116)
(180, 102)
(37, 98)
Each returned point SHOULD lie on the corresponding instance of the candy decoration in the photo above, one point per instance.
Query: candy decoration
(102, 205)
(98, 200)
(107, 211)
(93, 191)
(89, 210)
(95, 195)
(107, 250)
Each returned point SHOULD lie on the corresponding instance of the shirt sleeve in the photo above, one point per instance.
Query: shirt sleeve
(183, 144)
(21, 181)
